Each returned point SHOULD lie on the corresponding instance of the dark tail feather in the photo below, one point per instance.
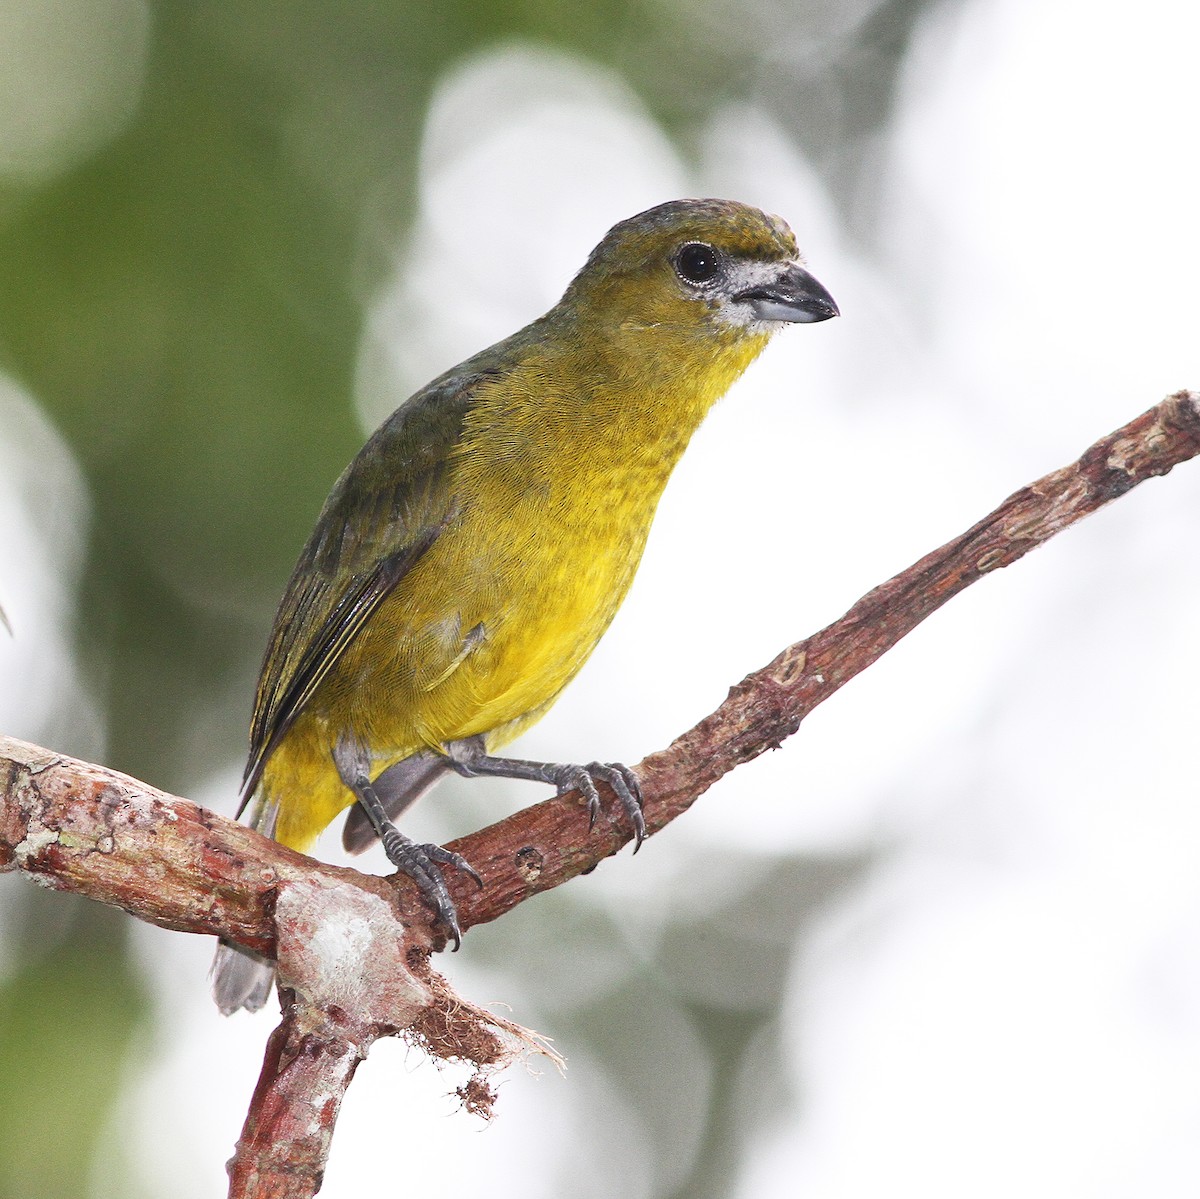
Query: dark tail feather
(398, 787)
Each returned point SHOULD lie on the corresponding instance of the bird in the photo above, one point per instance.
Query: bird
(471, 556)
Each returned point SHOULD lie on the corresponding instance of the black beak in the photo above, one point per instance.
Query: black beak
(794, 295)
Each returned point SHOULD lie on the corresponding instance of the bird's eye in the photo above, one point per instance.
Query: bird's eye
(697, 263)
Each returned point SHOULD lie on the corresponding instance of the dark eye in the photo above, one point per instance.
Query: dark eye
(697, 263)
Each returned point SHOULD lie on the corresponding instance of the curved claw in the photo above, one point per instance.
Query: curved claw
(422, 863)
(622, 781)
(629, 791)
(446, 857)
(579, 778)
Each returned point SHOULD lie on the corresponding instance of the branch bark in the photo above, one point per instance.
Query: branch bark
(353, 949)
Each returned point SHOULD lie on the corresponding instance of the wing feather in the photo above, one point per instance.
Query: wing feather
(387, 509)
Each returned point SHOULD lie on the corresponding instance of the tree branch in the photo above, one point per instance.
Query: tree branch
(353, 949)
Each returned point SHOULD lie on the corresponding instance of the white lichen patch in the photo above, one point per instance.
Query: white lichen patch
(341, 945)
(37, 840)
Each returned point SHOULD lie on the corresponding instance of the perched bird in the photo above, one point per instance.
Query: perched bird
(471, 556)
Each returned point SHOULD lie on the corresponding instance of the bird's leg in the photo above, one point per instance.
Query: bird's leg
(470, 757)
(421, 863)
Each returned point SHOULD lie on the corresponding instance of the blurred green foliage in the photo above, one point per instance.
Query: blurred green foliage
(67, 1018)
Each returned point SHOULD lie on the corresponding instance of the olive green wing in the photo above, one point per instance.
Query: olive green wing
(387, 509)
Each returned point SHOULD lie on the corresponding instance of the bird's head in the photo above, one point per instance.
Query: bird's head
(699, 266)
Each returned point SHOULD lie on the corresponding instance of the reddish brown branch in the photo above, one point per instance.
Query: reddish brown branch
(74, 826)
(352, 948)
(310, 1061)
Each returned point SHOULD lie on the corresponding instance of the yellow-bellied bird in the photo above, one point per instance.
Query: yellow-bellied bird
(471, 556)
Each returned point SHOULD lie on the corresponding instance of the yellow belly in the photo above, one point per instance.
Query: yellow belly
(468, 644)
